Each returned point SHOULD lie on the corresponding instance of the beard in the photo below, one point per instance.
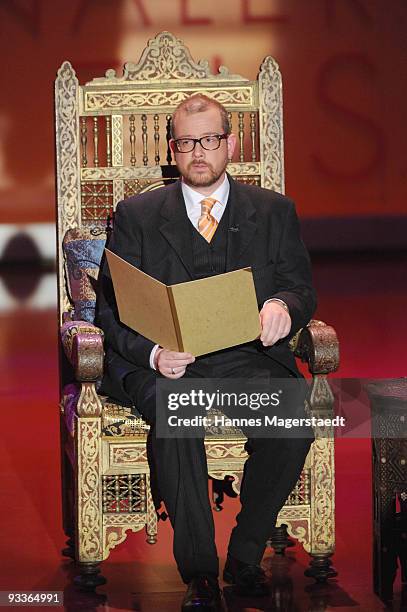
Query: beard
(195, 178)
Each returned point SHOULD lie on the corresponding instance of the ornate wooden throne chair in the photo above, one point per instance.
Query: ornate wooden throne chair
(112, 142)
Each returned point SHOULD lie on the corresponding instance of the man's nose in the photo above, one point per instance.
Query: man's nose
(198, 151)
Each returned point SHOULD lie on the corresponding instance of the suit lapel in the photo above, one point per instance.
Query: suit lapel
(176, 227)
(242, 224)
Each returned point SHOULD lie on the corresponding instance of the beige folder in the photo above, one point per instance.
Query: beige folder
(197, 317)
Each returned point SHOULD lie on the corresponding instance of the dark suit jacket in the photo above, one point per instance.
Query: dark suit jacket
(152, 231)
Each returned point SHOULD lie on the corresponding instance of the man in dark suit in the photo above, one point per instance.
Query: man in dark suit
(207, 224)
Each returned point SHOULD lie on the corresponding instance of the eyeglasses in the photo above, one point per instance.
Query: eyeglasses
(209, 143)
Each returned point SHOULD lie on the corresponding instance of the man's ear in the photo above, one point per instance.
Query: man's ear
(231, 144)
(172, 145)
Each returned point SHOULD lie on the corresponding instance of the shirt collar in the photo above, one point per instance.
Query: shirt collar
(193, 198)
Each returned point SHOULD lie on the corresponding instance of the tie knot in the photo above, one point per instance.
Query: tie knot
(207, 205)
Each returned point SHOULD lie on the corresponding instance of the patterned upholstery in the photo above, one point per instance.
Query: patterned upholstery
(83, 250)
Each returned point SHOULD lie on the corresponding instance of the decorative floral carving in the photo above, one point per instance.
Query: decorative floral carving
(125, 100)
(89, 498)
(226, 450)
(114, 535)
(299, 529)
(124, 173)
(321, 402)
(67, 151)
(244, 168)
(271, 125)
(71, 329)
(126, 455)
(318, 345)
(89, 403)
(323, 497)
(165, 58)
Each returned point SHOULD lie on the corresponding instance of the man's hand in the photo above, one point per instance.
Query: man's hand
(275, 323)
(172, 364)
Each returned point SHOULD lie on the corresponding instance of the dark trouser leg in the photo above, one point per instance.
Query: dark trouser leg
(183, 482)
(270, 474)
(274, 464)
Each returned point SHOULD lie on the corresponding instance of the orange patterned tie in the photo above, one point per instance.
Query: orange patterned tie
(207, 224)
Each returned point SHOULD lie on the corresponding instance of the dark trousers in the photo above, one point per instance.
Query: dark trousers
(270, 473)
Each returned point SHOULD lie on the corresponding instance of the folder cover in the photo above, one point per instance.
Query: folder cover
(198, 317)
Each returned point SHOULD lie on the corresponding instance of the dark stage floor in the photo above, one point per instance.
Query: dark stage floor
(364, 297)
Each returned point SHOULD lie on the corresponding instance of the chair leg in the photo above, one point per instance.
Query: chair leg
(89, 546)
(321, 567)
(89, 576)
(279, 539)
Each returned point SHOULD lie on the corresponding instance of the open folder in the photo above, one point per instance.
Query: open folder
(198, 317)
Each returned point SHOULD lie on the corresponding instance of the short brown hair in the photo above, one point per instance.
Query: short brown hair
(198, 103)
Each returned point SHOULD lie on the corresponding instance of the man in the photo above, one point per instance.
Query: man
(207, 224)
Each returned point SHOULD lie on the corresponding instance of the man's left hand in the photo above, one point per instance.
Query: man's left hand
(275, 323)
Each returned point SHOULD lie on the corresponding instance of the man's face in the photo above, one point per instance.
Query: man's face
(202, 169)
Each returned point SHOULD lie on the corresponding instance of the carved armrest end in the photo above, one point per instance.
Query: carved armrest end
(83, 346)
(318, 345)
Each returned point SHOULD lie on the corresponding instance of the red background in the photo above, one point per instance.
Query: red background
(343, 64)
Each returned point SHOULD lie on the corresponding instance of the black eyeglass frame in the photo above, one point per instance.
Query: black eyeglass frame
(195, 140)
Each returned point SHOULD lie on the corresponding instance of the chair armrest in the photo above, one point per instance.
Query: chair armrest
(317, 344)
(83, 346)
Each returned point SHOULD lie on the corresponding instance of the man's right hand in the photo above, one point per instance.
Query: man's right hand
(172, 364)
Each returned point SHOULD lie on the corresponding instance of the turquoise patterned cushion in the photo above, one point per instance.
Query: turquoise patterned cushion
(83, 250)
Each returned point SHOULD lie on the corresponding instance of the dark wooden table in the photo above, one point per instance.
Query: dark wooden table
(389, 454)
